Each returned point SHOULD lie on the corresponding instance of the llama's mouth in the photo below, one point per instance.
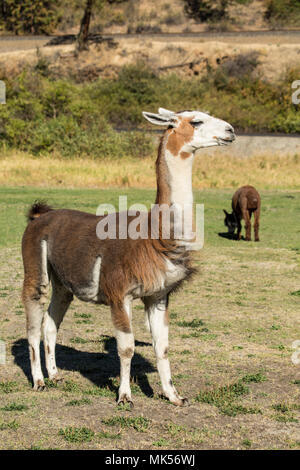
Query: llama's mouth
(225, 141)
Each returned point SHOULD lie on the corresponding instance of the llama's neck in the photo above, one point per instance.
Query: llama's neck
(174, 176)
(174, 179)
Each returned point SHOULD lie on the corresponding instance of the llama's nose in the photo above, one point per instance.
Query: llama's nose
(230, 129)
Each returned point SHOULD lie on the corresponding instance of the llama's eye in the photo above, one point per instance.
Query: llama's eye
(196, 123)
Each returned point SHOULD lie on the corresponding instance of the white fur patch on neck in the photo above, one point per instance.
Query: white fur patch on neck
(180, 174)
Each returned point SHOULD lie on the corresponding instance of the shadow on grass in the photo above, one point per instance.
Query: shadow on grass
(100, 368)
(229, 236)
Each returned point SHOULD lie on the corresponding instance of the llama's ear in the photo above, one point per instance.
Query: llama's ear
(225, 212)
(157, 119)
(165, 112)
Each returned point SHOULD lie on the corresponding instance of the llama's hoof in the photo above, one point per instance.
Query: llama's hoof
(257, 239)
(56, 379)
(125, 399)
(39, 386)
(180, 402)
(184, 402)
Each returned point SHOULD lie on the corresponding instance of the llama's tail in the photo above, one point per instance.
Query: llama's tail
(37, 209)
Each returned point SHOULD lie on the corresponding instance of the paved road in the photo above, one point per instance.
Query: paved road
(15, 43)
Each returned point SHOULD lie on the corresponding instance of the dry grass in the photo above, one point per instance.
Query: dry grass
(218, 170)
(276, 54)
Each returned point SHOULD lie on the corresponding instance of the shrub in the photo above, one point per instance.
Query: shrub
(283, 12)
(26, 16)
(124, 97)
(206, 10)
(48, 116)
(67, 119)
(241, 65)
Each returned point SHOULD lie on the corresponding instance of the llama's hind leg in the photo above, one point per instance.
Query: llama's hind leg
(35, 290)
(247, 219)
(121, 316)
(34, 315)
(239, 229)
(159, 327)
(60, 301)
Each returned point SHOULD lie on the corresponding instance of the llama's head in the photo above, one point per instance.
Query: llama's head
(191, 130)
(230, 221)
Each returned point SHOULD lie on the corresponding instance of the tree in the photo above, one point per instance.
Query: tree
(28, 16)
(82, 38)
(206, 10)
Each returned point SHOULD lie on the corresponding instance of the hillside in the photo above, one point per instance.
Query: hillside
(163, 16)
(149, 16)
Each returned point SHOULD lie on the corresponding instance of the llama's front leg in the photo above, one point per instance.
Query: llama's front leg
(159, 327)
(256, 225)
(125, 344)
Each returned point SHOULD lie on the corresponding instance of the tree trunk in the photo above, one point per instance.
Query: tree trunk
(82, 40)
(3, 10)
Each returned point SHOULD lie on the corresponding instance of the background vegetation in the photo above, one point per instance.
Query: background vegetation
(206, 10)
(48, 16)
(281, 13)
(45, 114)
(27, 16)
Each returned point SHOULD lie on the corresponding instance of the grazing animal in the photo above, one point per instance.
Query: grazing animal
(61, 247)
(245, 201)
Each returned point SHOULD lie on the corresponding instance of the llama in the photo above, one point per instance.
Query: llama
(61, 247)
(245, 201)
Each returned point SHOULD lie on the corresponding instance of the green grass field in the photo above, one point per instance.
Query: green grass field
(280, 211)
(231, 334)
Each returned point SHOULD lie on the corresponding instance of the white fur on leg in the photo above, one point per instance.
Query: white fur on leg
(34, 315)
(44, 283)
(50, 333)
(125, 344)
(147, 323)
(59, 304)
(160, 332)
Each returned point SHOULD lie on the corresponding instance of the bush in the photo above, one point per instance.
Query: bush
(47, 116)
(124, 97)
(283, 12)
(206, 10)
(27, 16)
(241, 65)
(233, 69)
(66, 119)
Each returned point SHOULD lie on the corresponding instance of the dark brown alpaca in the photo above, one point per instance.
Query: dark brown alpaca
(245, 201)
(63, 247)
